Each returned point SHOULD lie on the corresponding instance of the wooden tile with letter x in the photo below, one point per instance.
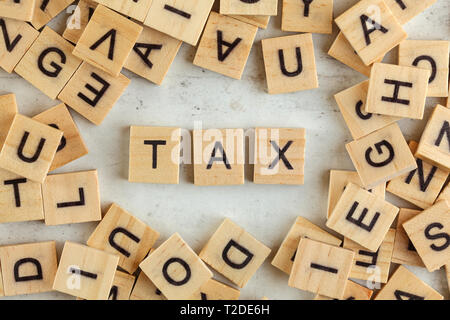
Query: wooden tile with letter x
(302, 228)
(107, 40)
(29, 148)
(352, 102)
(93, 92)
(404, 285)
(144, 289)
(430, 55)
(353, 291)
(215, 290)
(124, 235)
(362, 217)
(152, 55)
(8, 110)
(218, 157)
(404, 251)
(72, 145)
(429, 232)
(183, 20)
(234, 253)
(85, 272)
(420, 186)
(249, 7)
(321, 268)
(371, 35)
(259, 21)
(17, 9)
(372, 266)
(78, 21)
(71, 198)
(434, 145)
(15, 40)
(45, 10)
(279, 156)
(28, 268)
(136, 9)
(121, 287)
(381, 156)
(225, 45)
(397, 91)
(49, 63)
(154, 155)
(405, 10)
(339, 180)
(289, 63)
(307, 16)
(175, 269)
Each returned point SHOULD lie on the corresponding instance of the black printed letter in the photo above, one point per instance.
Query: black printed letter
(78, 203)
(169, 278)
(98, 93)
(432, 63)
(155, 144)
(423, 183)
(375, 26)
(397, 85)
(57, 67)
(220, 43)
(306, 10)
(15, 184)
(37, 153)
(218, 146)
(281, 155)
(148, 49)
(378, 147)
(442, 235)
(37, 276)
(359, 221)
(112, 42)
(444, 130)
(9, 45)
(126, 233)
(243, 264)
(299, 70)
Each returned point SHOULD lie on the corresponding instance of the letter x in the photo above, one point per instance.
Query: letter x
(281, 155)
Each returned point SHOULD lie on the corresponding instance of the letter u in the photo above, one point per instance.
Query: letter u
(37, 153)
(299, 70)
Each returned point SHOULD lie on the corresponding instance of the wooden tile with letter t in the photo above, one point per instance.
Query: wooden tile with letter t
(405, 10)
(279, 156)
(8, 110)
(371, 35)
(85, 272)
(49, 63)
(17, 9)
(124, 235)
(215, 290)
(45, 10)
(397, 91)
(92, 92)
(429, 232)
(77, 22)
(107, 40)
(234, 253)
(71, 198)
(175, 269)
(362, 217)
(28, 268)
(225, 45)
(321, 268)
(307, 16)
(302, 228)
(154, 155)
(29, 148)
(290, 64)
(136, 9)
(353, 291)
(249, 7)
(404, 285)
(381, 156)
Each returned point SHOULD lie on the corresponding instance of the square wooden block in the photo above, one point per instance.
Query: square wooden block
(290, 64)
(279, 156)
(28, 268)
(260, 7)
(219, 157)
(353, 291)
(307, 16)
(71, 198)
(145, 289)
(152, 55)
(429, 55)
(92, 92)
(72, 145)
(370, 36)
(372, 266)
(176, 269)
(429, 232)
(78, 21)
(46, 10)
(122, 234)
(404, 251)
(420, 186)
(154, 155)
(85, 272)
(122, 286)
(8, 110)
(29, 148)
(405, 10)
(259, 21)
(302, 228)
(107, 40)
(404, 285)
(183, 20)
(234, 253)
(20, 37)
(17, 9)
(381, 156)
(136, 9)
(225, 45)
(215, 290)
(397, 91)
(321, 268)
(362, 217)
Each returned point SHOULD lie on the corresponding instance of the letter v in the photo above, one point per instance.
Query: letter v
(9, 45)
(110, 34)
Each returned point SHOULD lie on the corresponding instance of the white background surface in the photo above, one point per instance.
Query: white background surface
(191, 94)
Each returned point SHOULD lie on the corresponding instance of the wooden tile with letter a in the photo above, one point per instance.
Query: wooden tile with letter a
(145, 289)
(46, 10)
(136, 9)
(405, 10)
(8, 110)
(307, 16)
(353, 291)
(77, 22)
(249, 7)
(17, 9)
(215, 290)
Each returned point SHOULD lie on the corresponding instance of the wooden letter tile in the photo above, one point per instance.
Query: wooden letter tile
(8, 110)
(154, 155)
(71, 198)
(290, 64)
(353, 291)
(28, 268)
(381, 156)
(234, 253)
(29, 148)
(405, 10)
(307, 16)
(131, 8)
(46, 10)
(215, 290)
(260, 7)
(122, 286)
(362, 217)
(259, 21)
(78, 21)
(85, 272)
(17, 9)
(321, 268)
(145, 289)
